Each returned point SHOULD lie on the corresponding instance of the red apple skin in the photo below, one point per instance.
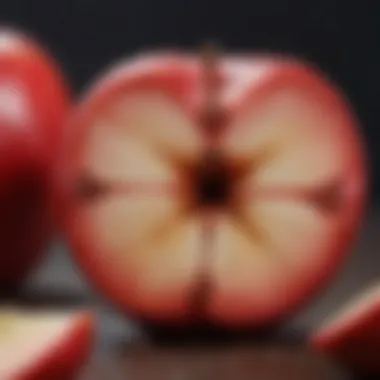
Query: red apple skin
(175, 75)
(353, 342)
(30, 136)
(66, 359)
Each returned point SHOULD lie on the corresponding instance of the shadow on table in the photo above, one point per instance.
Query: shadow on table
(45, 299)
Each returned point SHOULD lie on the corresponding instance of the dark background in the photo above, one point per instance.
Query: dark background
(342, 37)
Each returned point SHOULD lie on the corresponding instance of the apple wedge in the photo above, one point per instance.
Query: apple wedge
(352, 336)
(225, 190)
(43, 345)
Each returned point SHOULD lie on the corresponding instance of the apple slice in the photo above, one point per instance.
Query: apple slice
(227, 191)
(43, 345)
(352, 336)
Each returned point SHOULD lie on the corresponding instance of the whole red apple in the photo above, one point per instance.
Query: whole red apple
(36, 345)
(224, 190)
(352, 336)
(33, 108)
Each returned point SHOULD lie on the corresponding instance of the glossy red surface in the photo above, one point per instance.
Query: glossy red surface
(34, 102)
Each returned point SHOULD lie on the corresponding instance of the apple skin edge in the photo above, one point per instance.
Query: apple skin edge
(173, 73)
(65, 360)
(352, 337)
(31, 137)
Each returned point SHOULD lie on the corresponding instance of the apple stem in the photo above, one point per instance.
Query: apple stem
(212, 119)
(212, 115)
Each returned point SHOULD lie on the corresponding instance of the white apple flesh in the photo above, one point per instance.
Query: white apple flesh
(230, 203)
(42, 345)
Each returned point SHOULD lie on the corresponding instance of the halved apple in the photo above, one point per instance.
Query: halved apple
(225, 191)
(352, 336)
(43, 345)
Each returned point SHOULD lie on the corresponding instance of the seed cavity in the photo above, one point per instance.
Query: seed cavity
(88, 188)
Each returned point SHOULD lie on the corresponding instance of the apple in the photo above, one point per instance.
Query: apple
(43, 345)
(211, 189)
(34, 102)
(352, 335)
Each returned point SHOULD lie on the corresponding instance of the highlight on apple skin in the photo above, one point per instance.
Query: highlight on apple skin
(34, 102)
(351, 336)
(41, 345)
(225, 190)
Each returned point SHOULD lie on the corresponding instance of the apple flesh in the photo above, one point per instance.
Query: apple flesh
(216, 190)
(42, 345)
(352, 336)
(33, 108)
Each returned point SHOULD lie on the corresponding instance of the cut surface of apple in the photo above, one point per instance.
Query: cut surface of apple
(227, 190)
(43, 345)
(352, 336)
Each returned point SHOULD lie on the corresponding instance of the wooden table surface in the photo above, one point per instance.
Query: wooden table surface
(125, 351)
(272, 363)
